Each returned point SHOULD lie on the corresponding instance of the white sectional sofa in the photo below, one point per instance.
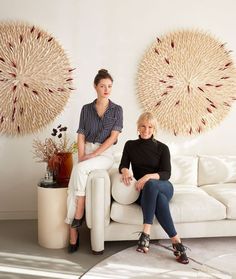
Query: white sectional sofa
(203, 205)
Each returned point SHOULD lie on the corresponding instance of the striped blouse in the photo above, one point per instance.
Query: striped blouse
(98, 129)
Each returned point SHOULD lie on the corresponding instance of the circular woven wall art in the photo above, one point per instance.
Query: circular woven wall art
(35, 78)
(188, 80)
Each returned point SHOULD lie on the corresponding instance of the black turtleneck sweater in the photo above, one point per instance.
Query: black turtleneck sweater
(146, 156)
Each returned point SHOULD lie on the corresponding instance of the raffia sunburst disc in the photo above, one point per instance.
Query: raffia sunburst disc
(188, 80)
(35, 78)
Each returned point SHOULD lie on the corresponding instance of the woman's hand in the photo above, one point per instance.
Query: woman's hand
(141, 182)
(87, 156)
(126, 177)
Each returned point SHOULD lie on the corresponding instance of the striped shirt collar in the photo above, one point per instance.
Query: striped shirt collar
(110, 106)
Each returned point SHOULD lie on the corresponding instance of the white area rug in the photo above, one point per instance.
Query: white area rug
(209, 258)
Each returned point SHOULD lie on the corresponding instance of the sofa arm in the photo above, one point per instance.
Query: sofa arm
(98, 202)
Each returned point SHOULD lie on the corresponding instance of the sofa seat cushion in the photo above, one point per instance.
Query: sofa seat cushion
(192, 204)
(189, 204)
(126, 214)
(226, 194)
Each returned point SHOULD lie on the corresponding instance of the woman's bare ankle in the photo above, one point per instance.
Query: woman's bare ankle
(175, 239)
(73, 235)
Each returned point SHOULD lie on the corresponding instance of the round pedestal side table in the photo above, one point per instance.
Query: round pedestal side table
(53, 232)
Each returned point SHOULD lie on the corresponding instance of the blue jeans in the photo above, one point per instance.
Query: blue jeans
(154, 199)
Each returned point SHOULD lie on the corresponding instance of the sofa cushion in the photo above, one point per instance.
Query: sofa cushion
(117, 158)
(216, 169)
(184, 170)
(127, 214)
(189, 204)
(192, 204)
(226, 194)
(120, 192)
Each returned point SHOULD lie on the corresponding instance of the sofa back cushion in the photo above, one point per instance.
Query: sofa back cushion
(216, 169)
(184, 170)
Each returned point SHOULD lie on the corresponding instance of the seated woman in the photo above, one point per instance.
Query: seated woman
(100, 125)
(150, 161)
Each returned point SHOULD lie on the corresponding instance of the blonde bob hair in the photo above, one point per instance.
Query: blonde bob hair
(149, 117)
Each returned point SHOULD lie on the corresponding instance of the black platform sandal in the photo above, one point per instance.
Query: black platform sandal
(143, 243)
(73, 247)
(179, 252)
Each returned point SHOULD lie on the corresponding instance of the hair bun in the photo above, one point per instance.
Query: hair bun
(102, 74)
(103, 71)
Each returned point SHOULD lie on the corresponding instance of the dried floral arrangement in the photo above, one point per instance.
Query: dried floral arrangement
(47, 150)
(188, 80)
(35, 78)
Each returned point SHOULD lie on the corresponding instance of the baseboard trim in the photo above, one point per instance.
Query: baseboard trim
(18, 215)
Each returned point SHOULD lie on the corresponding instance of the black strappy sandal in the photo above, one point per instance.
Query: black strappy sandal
(179, 252)
(143, 243)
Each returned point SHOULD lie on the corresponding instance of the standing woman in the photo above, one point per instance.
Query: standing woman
(150, 161)
(100, 125)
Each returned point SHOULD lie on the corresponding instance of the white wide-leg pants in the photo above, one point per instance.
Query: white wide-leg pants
(79, 175)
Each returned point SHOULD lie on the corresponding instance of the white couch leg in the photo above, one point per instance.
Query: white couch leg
(98, 212)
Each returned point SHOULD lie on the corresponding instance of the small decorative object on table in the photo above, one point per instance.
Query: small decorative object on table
(57, 153)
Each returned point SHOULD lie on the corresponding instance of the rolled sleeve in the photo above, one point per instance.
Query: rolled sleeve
(81, 129)
(118, 125)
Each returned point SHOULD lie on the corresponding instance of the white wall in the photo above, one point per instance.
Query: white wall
(108, 34)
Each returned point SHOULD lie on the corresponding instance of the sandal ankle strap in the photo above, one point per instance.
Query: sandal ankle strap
(144, 240)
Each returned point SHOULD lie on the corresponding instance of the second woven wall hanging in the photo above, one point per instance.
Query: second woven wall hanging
(188, 80)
